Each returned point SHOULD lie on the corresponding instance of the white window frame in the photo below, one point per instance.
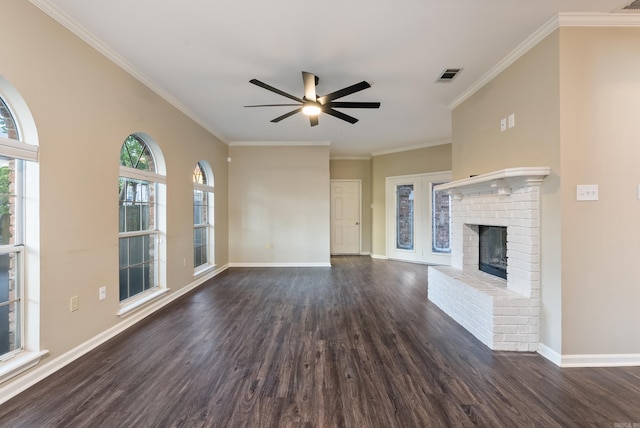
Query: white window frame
(26, 149)
(158, 179)
(209, 190)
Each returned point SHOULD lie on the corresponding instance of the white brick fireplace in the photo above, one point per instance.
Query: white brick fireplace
(503, 314)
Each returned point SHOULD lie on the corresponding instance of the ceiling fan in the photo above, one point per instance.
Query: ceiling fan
(312, 105)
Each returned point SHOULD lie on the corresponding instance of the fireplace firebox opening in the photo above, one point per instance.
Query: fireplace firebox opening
(493, 250)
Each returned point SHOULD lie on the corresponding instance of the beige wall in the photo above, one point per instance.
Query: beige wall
(575, 97)
(600, 107)
(430, 159)
(529, 88)
(357, 169)
(84, 107)
(279, 205)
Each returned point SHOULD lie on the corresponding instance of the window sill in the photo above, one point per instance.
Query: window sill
(130, 307)
(19, 363)
(201, 270)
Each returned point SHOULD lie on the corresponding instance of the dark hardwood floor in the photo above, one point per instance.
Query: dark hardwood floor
(355, 345)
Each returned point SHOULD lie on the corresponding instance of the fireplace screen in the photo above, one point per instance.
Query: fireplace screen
(493, 250)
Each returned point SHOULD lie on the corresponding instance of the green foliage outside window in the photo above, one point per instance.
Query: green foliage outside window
(135, 154)
(5, 175)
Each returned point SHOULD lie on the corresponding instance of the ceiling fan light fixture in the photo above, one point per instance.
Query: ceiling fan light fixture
(311, 109)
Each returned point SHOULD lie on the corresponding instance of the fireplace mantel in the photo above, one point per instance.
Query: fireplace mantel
(501, 181)
(503, 316)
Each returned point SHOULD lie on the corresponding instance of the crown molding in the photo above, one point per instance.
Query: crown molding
(622, 19)
(351, 158)
(409, 148)
(278, 143)
(73, 26)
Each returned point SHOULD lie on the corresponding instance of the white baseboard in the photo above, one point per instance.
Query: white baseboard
(47, 367)
(601, 360)
(589, 360)
(376, 256)
(260, 265)
(549, 354)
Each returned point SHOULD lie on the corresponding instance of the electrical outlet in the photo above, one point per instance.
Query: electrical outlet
(511, 120)
(268, 246)
(503, 124)
(102, 293)
(74, 303)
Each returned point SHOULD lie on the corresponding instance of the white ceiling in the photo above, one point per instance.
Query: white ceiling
(201, 54)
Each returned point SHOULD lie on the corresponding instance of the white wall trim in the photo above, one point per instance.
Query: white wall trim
(549, 354)
(379, 257)
(12, 388)
(354, 158)
(601, 360)
(70, 24)
(278, 143)
(409, 148)
(588, 360)
(261, 265)
(560, 20)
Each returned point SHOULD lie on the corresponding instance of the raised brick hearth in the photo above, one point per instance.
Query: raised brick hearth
(503, 314)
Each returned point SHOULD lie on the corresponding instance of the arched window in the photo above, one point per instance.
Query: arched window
(202, 216)
(141, 189)
(19, 236)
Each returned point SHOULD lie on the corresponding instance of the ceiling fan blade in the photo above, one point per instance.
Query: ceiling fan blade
(309, 81)
(313, 120)
(273, 105)
(340, 115)
(286, 115)
(347, 104)
(344, 92)
(276, 90)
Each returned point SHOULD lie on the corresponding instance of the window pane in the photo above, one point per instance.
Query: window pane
(8, 127)
(404, 217)
(137, 214)
(124, 284)
(136, 280)
(149, 277)
(135, 205)
(144, 217)
(136, 154)
(136, 250)
(199, 207)
(124, 252)
(10, 318)
(137, 265)
(149, 248)
(7, 201)
(199, 246)
(440, 221)
(198, 175)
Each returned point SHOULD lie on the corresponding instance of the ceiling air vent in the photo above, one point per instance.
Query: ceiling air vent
(450, 73)
(634, 5)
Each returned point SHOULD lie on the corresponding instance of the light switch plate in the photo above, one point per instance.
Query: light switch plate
(587, 192)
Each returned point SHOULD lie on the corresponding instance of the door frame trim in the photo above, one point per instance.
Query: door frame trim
(390, 201)
(359, 181)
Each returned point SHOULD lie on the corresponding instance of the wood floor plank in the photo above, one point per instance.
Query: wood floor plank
(354, 345)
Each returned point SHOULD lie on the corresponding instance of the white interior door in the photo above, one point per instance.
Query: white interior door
(345, 216)
(418, 223)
